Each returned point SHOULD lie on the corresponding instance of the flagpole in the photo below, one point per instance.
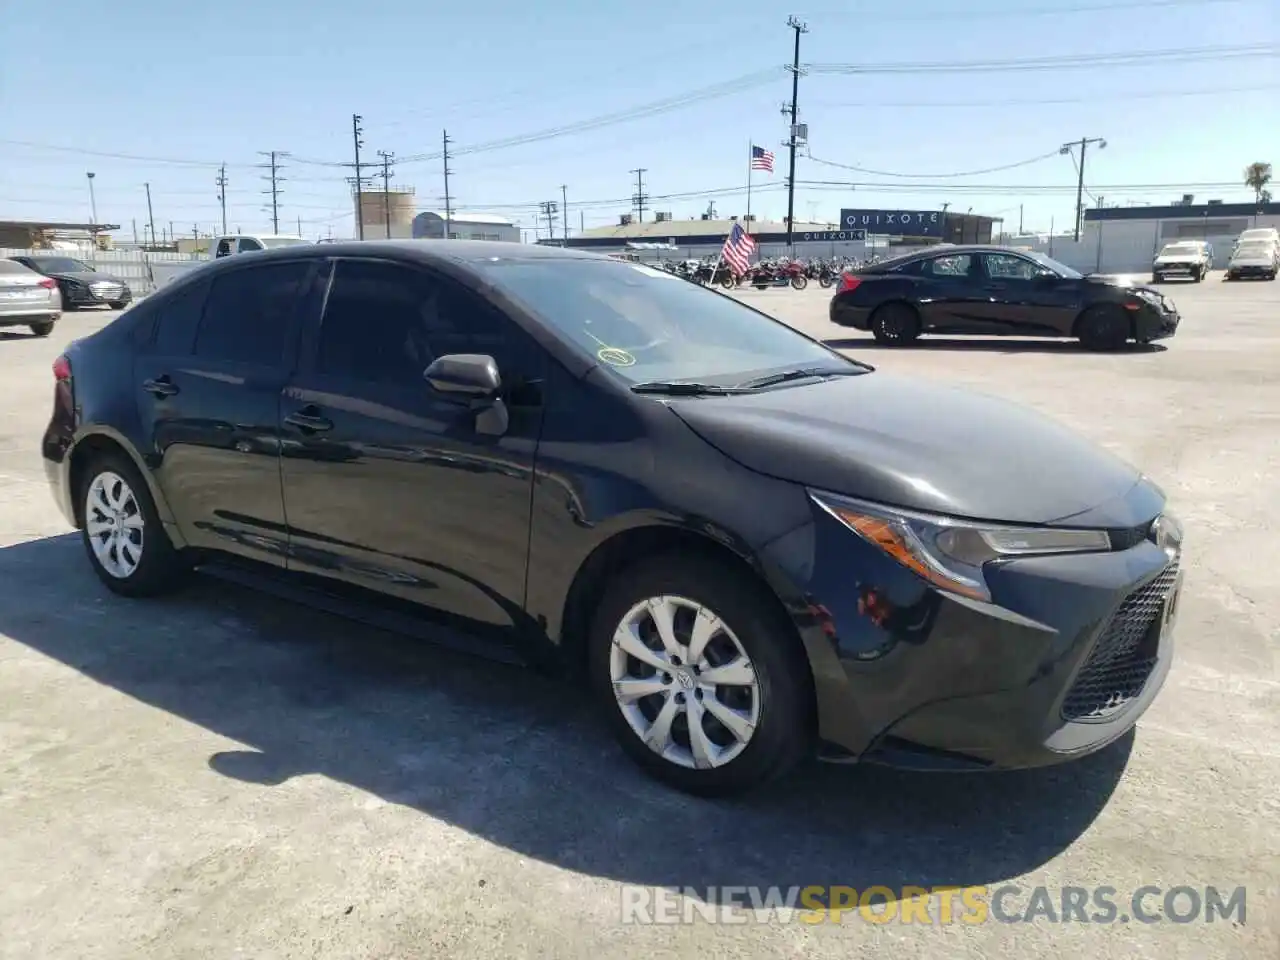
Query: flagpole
(750, 150)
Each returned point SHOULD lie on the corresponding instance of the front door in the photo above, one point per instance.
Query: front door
(1022, 298)
(391, 486)
(208, 388)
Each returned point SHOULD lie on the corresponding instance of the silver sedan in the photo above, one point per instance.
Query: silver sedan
(28, 299)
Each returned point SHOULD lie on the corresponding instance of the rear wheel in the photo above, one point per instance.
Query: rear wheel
(1104, 327)
(128, 547)
(42, 328)
(701, 683)
(895, 324)
(728, 281)
(799, 281)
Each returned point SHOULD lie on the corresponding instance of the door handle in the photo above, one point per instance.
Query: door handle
(160, 387)
(309, 422)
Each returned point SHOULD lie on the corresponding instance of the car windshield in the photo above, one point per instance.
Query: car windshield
(60, 265)
(648, 325)
(272, 242)
(1254, 248)
(1180, 248)
(1061, 269)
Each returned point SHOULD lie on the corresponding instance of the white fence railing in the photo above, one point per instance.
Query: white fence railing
(131, 266)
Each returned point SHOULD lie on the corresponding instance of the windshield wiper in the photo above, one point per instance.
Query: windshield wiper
(803, 373)
(678, 389)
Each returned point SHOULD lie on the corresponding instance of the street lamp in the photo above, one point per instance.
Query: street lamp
(93, 203)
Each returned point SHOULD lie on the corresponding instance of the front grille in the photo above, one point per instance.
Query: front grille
(1123, 538)
(1124, 655)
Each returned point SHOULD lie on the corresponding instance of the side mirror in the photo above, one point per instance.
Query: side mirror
(466, 376)
(1046, 276)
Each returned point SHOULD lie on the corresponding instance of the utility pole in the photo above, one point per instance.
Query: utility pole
(549, 208)
(299, 226)
(799, 28)
(448, 203)
(582, 221)
(274, 167)
(386, 188)
(1083, 144)
(639, 199)
(151, 217)
(1019, 219)
(564, 211)
(222, 195)
(355, 136)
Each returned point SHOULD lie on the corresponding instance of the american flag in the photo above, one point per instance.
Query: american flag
(738, 247)
(761, 159)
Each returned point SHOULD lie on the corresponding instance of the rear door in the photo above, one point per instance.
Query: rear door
(208, 388)
(948, 294)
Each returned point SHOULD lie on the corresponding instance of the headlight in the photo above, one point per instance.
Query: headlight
(950, 553)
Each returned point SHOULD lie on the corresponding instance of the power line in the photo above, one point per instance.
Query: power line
(1074, 61)
(1042, 101)
(941, 176)
(1018, 10)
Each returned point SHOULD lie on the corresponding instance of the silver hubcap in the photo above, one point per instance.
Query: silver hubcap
(114, 523)
(684, 683)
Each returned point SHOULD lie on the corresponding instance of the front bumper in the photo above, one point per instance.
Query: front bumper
(1064, 662)
(1251, 270)
(1162, 270)
(1156, 323)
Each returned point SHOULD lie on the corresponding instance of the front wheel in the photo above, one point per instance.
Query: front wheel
(702, 682)
(1103, 327)
(825, 282)
(799, 281)
(128, 547)
(42, 328)
(728, 281)
(118, 304)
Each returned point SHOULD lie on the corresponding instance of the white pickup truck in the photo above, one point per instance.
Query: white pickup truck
(165, 271)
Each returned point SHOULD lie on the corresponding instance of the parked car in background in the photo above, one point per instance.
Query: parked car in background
(28, 299)
(1254, 258)
(743, 544)
(997, 291)
(166, 271)
(1267, 234)
(81, 285)
(1192, 259)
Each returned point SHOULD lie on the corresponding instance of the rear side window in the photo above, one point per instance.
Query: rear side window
(177, 320)
(250, 312)
(11, 267)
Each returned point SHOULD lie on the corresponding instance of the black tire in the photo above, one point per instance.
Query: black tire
(118, 304)
(161, 567)
(42, 328)
(1199, 276)
(895, 324)
(826, 282)
(728, 281)
(1103, 327)
(799, 281)
(1156, 278)
(783, 734)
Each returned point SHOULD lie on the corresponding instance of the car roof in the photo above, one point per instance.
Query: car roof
(427, 251)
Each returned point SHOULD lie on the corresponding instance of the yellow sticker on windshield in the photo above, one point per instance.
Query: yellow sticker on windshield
(615, 357)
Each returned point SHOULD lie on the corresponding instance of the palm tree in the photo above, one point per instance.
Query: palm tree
(1256, 177)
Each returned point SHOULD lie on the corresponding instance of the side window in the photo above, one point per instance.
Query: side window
(224, 248)
(956, 265)
(386, 323)
(248, 243)
(1005, 266)
(249, 313)
(177, 320)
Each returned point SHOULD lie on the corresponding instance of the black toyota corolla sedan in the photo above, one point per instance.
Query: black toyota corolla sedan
(748, 547)
(997, 291)
(81, 284)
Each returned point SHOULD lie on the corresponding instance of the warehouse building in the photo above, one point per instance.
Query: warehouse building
(859, 233)
(1129, 237)
(465, 226)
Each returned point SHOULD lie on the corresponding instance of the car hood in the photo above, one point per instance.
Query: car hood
(1179, 258)
(1122, 280)
(910, 443)
(1254, 258)
(85, 278)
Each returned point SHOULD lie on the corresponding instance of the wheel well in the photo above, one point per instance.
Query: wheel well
(631, 547)
(84, 453)
(896, 302)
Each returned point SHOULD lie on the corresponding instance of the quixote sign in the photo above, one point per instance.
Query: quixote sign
(827, 236)
(907, 223)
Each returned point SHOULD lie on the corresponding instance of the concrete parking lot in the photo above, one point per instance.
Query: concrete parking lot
(224, 774)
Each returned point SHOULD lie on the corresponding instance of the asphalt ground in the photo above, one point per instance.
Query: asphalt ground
(225, 774)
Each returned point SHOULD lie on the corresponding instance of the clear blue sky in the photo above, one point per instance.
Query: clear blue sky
(206, 82)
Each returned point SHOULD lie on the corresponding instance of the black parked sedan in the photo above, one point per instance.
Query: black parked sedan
(81, 285)
(746, 545)
(997, 291)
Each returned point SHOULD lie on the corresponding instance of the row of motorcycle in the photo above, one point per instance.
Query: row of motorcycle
(774, 272)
